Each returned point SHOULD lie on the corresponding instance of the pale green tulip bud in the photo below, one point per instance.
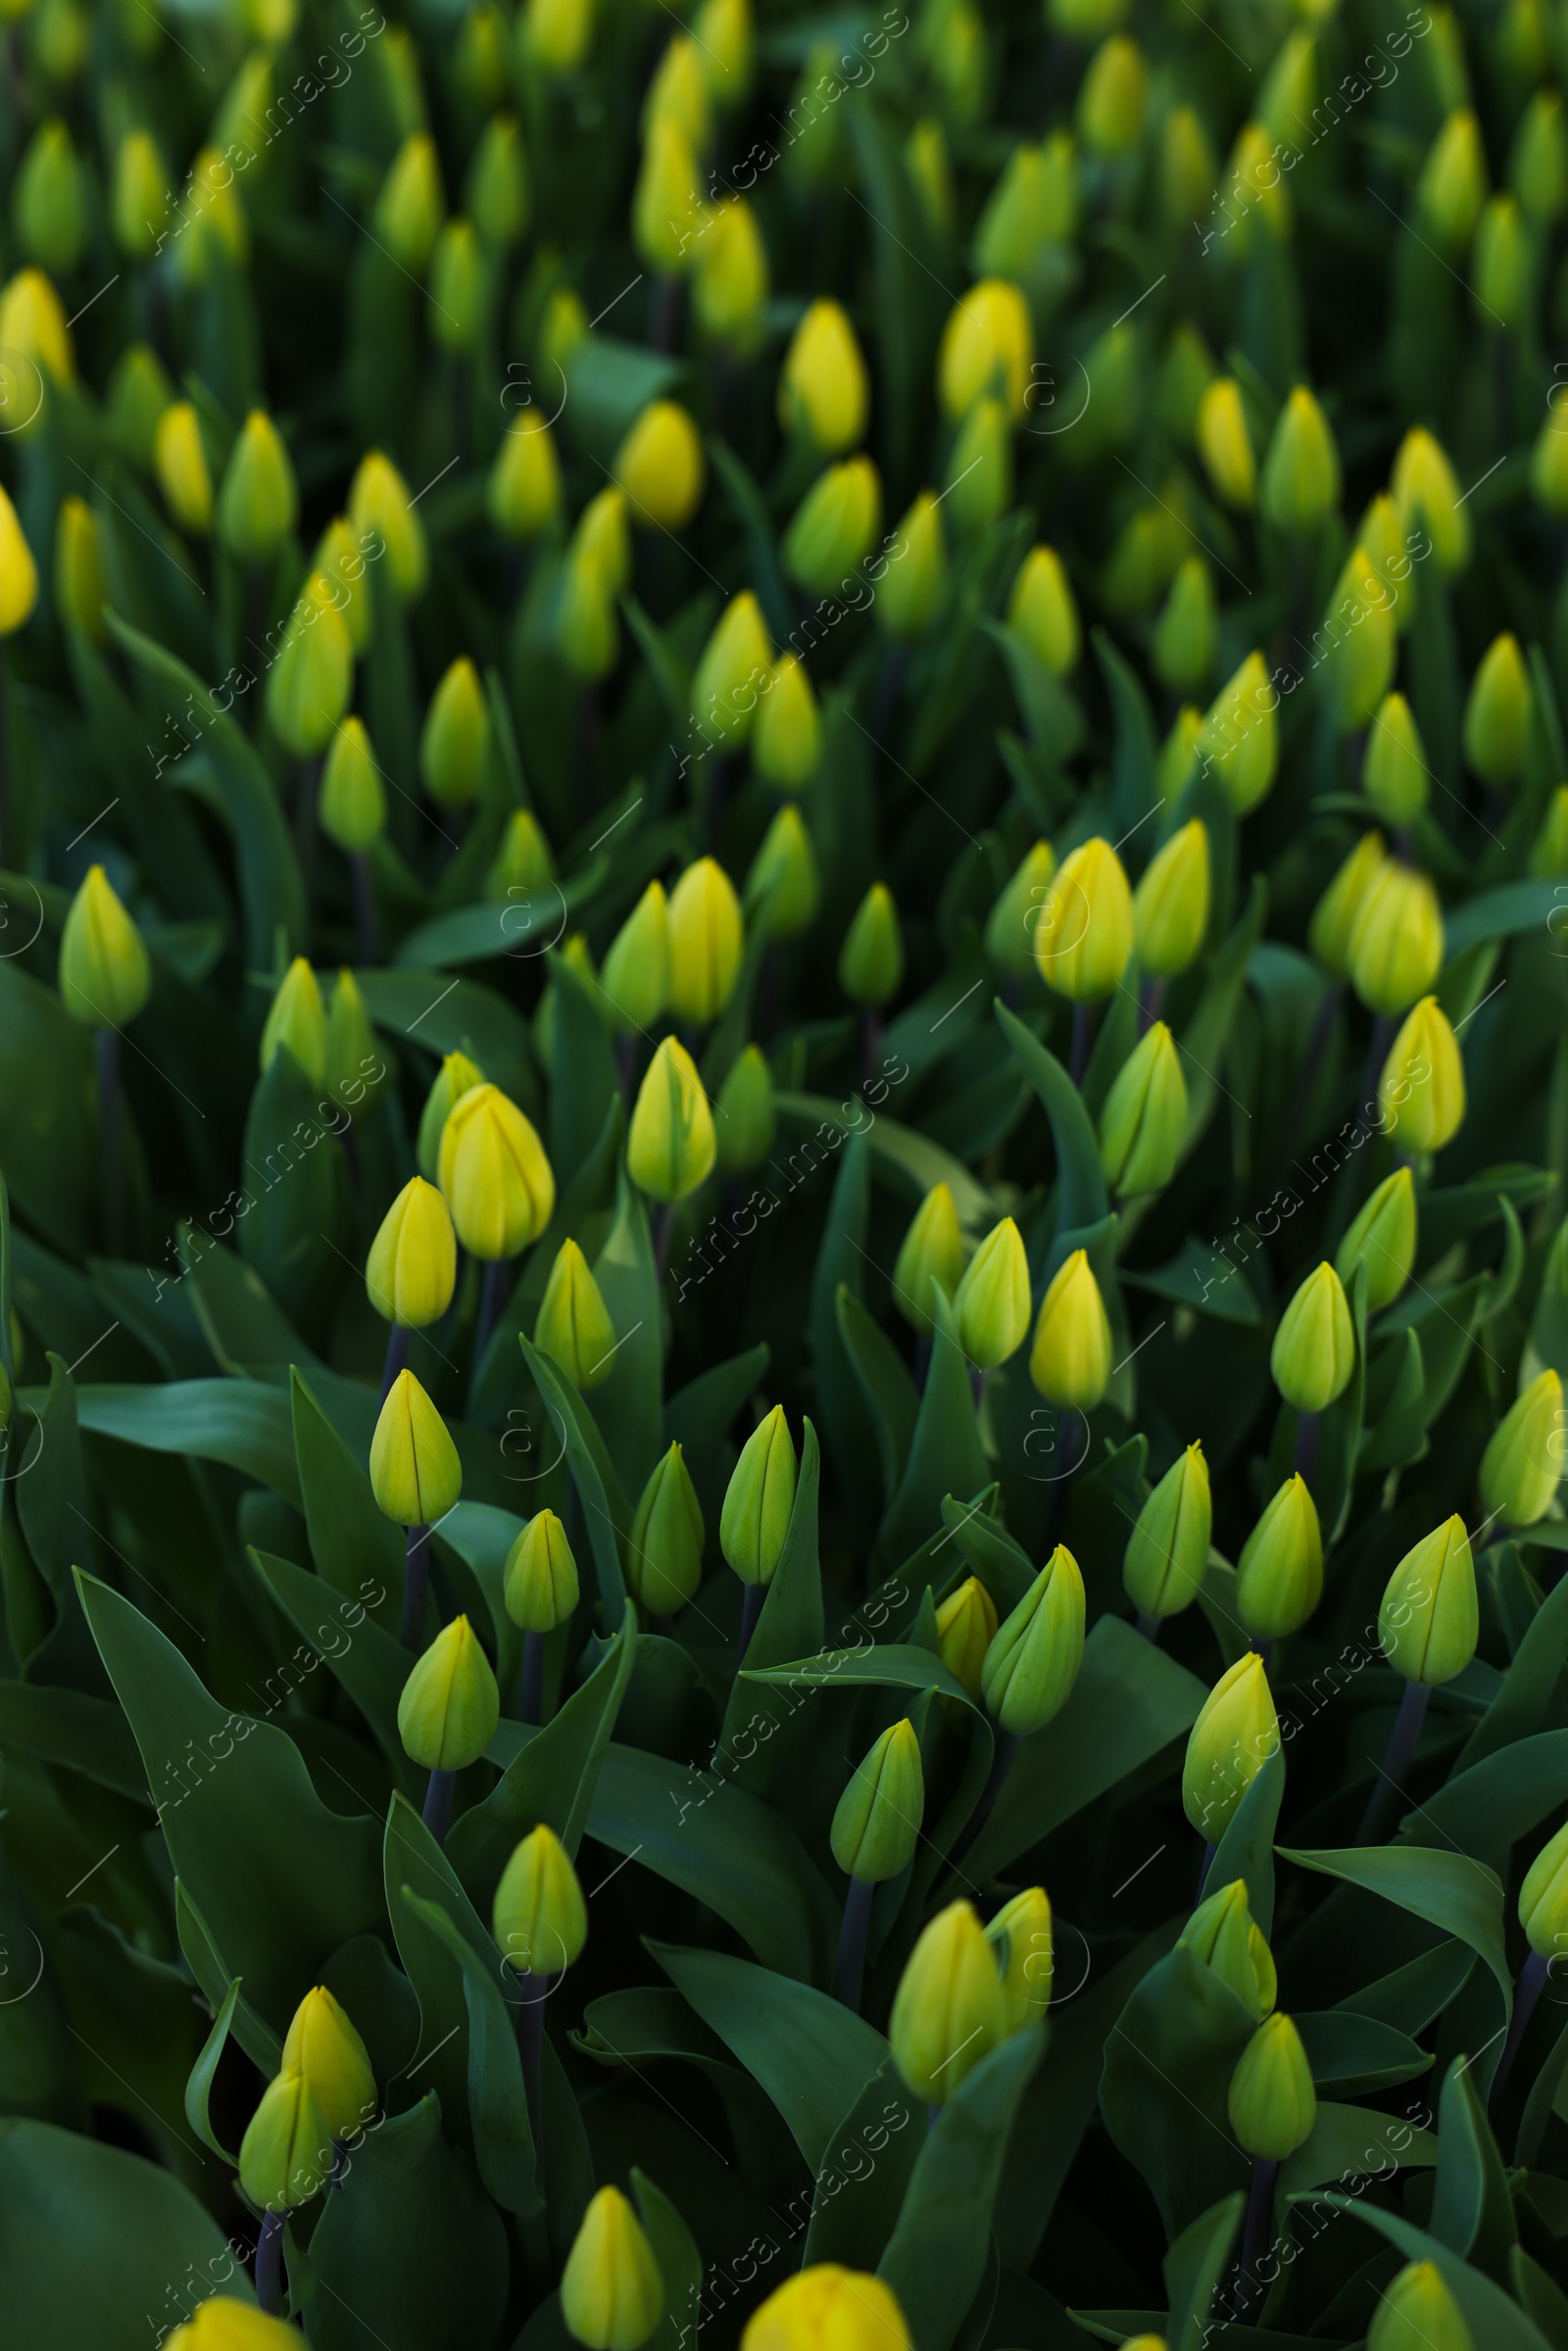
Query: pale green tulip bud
(1185, 377)
(1240, 737)
(1223, 1935)
(1421, 1091)
(758, 1502)
(1383, 1238)
(1189, 171)
(79, 568)
(1549, 853)
(1042, 612)
(105, 976)
(660, 465)
(457, 1076)
(1112, 97)
(1430, 1620)
(497, 191)
(736, 659)
(1538, 168)
(412, 206)
(680, 89)
(991, 1303)
(1070, 1363)
(872, 958)
(350, 1044)
(539, 1582)
(539, 1915)
(380, 504)
(1279, 1578)
(1300, 485)
(835, 525)
(587, 635)
(1395, 775)
(967, 1626)
(634, 983)
(783, 888)
(523, 495)
(455, 741)
(612, 2292)
(730, 282)
(786, 738)
(181, 464)
(1009, 925)
(309, 684)
(339, 560)
(665, 1549)
(450, 1706)
(1427, 493)
(1314, 1347)
(47, 201)
(257, 505)
(412, 1268)
(1271, 2102)
(1179, 753)
(1452, 187)
(324, 2048)
(666, 208)
(1549, 465)
(460, 287)
(988, 348)
(1034, 203)
(932, 1250)
(1337, 911)
(876, 1824)
(1291, 88)
(498, 1181)
(948, 2012)
(563, 326)
(285, 2157)
(1397, 944)
(745, 1120)
(1168, 1550)
(1187, 632)
(1084, 934)
(978, 487)
(911, 587)
(140, 195)
(1502, 263)
(1497, 715)
(139, 393)
(1170, 904)
(670, 1147)
(1543, 1897)
(1362, 643)
(1418, 2313)
(1225, 445)
(1382, 540)
(524, 863)
(1523, 1462)
(297, 1018)
(1144, 555)
(1022, 1929)
(707, 939)
(1236, 1733)
(573, 1326)
(1145, 1118)
(824, 392)
(1033, 1662)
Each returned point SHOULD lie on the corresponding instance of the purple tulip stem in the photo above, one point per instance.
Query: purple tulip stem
(751, 1610)
(415, 1586)
(269, 2265)
(365, 924)
(531, 1691)
(1149, 1626)
(1203, 1868)
(1260, 2208)
(1396, 1762)
(1527, 1991)
(850, 1975)
(111, 1137)
(438, 1804)
(1083, 1023)
(397, 1357)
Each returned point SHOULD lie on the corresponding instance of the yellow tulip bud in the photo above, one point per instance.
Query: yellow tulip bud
(706, 938)
(991, 1304)
(540, 1918)
(1168, 1550)
(338, 559)
(498, 192)
(574, 1327)
(540, 1583)
(1042, 609)
(932, 1249)
(1279, 1578)
(412, 204)
(455, 741)
(978, 482)
(457, 1076)
(1418, 2313)
(350, 1042)
(1034, 203)
(1523, 1463)
(140, 195)
(1382, 539)
(612, 2293)
(758, 1502)
(1070, 1363)
(730, 280)
(1271, 2101)
(735, 660)
(825, 2308)
(181, 464)
(222, 2323)
(1397, 944)
(671, 1146)
(1009, 925)
(523, 495)
(1314, 1347)
(297, 1018)
(1112, 97)
(665, 1549)
(911, 587)
(1033, 1661)
(635, 980)
(47, 199)
(492, 1167)
(285, 2157)
(78, 569)
(1381, 1237)
(1338, 909)
(1170, 904)
(1427, 493)
(138, 394)
(661, 467)
(1186, 634)
(1236, 1733)
(1222, 1936)
(1421, 1091)
(411, 1269)
(1430, 1620)
(1144, 1122)
(309, 684)
(876, 1824)
(323, 2046)
(1225, 444)
(1452, 187)
(786, 738)
(1022, 1929)
(666, 211)
(744, 1119)
(460, 287)
(33, 322)
(680, 89)
(105, 976)
(948, 2012)
(1497, 715)
(1239, 738)
(824, 392)
(1362, 643)
(380, 504)
(556, 34)
(967, 1626)
(1300, 485)
(1084, 934)
(1395, 775)
(987, 347)
(872, 958)
(450, 1706)
(257, 505)
(835, 526)
(351, 809)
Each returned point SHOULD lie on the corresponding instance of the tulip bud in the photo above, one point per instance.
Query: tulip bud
(1145, 1118)
(666, 209)
(1314, 1347)
(1549, 854)
(540, 1583)
(350, 1042)
(1523, 1462)
(967, 1626)
(497, 192)
(285, 2157)
(1280, 1574)
(1033, 1662)
(736, 659)
(635, 980)
(47, 200)
(297, 1018)
(707, 939)
(987, 348)
(978, 482)
(722, 32)
(495, 1175)
(522, 865)
(680, 89)
(757, 1503)
(876, 1824)
(450, 1706)
(745, 1120)
(586, 633)
(933, 1249)
(460, 287)
(220, 2322)
(1178, 754)
(948, 2012)
(556, 34)
(786, 738)
(1225, 444)
(1394, 773)
(1452, 187)
(730, 285)
(872, 958)
(412, 1268)
(1070, 1363)
(660, 465)
(1111, 100)
(835, 525)
(671, 1146)
(33, 322)
(1383, 1238)
(455, 741)
(826, 2307)
(1236, 1733)
(1223, 1935)
(79, 568)
(1428, 497)
(824, 392)
(665, 1549)
(380, 504)
(257, 505)
(562, 328)
(1549, 465)
(1187, 169)
(140, 195)
(575, 952)
(612, 2293)
(1021, 1928)
(1271, 2102)
(1034, 203)
(1300, 485)
(954, 43)
(1009, 925)
(309, 684)
(1041, 610)
(1382, 540)
(324, 2048)
(991, 1303)
(1501, 267)
(180, 463)
(540, 1918)
(573, 1326)
(1239, 738)
(339, 560)
(1186, 634)
(1538, 168)
(105, 977)
(1170, 905)
(604, 533)
(911, 587)
(1397, 944)
(1337, 911)
(138, 394)
(1543, 1897)
(1144, 555)
(523, 495)
(1362, 643)
(1429, 1622)
(457, 1076)
(1497, 715)
(410, 206)
(1168, 1550)
(1418, 2313)
(1421, 1091)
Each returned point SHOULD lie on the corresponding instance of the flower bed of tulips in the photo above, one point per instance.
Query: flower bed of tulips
(783, 1131)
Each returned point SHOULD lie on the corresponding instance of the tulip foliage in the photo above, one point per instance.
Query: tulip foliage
(783, 1175)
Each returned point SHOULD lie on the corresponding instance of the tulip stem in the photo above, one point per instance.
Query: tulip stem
(1396, 1761)
(269, 2265)
(1150, 997)
(662, 1229)
(850, 1977)
(1082, 1029)
(397, 1355)
(1305, 1458)
(492, 1297)
(1001, 1762)
(870, 1044)
(1203, 1868)
(415, 1586)
(1260, 2207)
(1149, 1626)
(531, 2042)
(751, 1610)
(111, 1137)
(531, 1691)
(1527, 1991)
(438, 1804)
(364, 905)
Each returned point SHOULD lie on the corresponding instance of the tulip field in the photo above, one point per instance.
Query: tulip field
(783, 1175)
